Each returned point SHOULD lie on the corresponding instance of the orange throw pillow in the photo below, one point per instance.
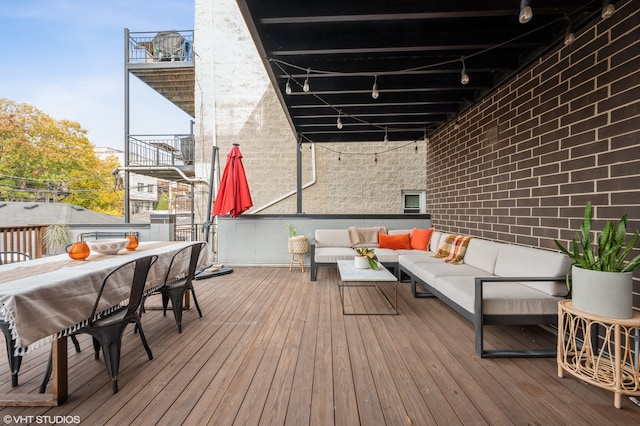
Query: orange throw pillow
(395, 242)
(420, 238)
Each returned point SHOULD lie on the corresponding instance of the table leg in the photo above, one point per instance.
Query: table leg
(187, 300)
(376, 285)
(59, 364)
(60, 387)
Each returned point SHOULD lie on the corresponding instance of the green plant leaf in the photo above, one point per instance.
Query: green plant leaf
(373, 264)
(608, 251)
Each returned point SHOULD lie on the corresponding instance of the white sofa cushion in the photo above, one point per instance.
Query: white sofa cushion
(399, 231)
(332, 238)
(434, 242)
(410, 260)
(482, 254)
(429, 271)
(386, 255)
(519, 261)
(412, 251)
(499, 298)
(333, 254)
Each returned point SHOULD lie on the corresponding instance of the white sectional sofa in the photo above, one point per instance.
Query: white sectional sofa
(498, 283)
(331, 245)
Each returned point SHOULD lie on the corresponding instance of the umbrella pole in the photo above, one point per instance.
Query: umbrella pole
(213, 272)
(208, 224)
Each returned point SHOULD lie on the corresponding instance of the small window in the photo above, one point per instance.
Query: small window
(413, 202)
(140, 187)
(150, 188)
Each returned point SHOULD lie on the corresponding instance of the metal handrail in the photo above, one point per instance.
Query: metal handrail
(160, 46)
(161, 150)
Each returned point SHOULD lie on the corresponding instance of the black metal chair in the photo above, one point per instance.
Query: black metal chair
(107, 329)
(179, 280)
(98, 235)
(13, 256)
(15, 361)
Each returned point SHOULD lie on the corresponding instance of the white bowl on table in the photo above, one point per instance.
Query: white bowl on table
(112, 246)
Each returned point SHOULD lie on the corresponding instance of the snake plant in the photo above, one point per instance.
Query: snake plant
(609, 252)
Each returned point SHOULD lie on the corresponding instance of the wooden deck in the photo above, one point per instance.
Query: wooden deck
(274, 348)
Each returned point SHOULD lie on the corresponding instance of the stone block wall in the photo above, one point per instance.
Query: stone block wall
(236, 103)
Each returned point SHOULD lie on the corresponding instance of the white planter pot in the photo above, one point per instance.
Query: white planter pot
(607, 294)
(361, 262)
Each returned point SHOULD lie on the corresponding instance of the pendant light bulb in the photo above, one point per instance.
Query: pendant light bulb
(374, 91)
(305, 87)
(569, 38)
(426, 138)
(287, 88)
(339, 122)
(464, 76)
(386, 137)
(608, 9)
(525, 12)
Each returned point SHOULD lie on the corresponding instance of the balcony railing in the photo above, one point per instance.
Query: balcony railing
(161, 150)
(23, 239)
(161, 46)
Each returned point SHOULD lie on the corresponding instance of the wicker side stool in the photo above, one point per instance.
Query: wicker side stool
(298, 246)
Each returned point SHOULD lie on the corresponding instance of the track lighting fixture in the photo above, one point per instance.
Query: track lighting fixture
(305, 87)
(339, 122)
(386, 138)
(608, 9)
(374, 91)
(287, 88)
(464, 77)
(525, 12)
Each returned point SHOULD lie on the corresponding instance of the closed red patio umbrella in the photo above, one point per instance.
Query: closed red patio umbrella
(233, 195)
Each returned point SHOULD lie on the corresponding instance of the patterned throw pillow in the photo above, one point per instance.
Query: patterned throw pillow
(453, 249)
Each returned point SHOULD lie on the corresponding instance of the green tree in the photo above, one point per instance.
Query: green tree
(163, 202)
(41, 157)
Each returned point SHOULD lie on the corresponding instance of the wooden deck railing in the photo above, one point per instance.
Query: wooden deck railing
(24, 239)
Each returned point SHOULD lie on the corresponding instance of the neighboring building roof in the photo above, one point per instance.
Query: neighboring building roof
(32, 213)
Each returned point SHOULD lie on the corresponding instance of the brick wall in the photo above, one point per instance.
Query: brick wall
(526, 159)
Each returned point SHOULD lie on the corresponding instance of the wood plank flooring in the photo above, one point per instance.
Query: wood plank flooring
(273, 348)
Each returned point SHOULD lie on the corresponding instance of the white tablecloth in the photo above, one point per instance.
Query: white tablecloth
(45, 298)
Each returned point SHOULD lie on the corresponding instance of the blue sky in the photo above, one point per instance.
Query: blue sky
(66, 58)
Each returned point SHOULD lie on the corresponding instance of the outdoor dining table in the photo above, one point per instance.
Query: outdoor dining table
(45, 299)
